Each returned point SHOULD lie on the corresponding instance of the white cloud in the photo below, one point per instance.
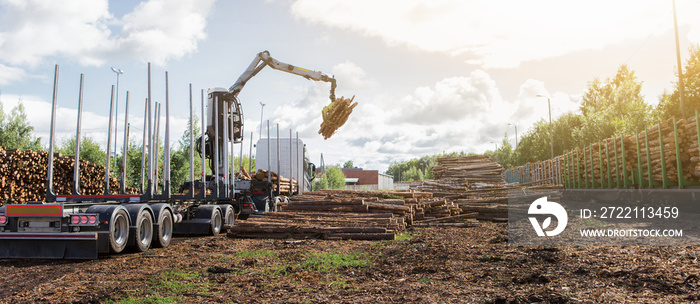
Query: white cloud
(352, 77)
(82, 30)
(10, 74)
(499, 34)
(159, 30)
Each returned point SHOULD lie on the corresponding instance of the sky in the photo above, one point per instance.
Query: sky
(429, 76)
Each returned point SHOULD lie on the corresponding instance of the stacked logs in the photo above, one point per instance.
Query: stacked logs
(286, 186)
(23, 176)
(465, 170)
(335, 115)
(629, 158)
(473, 187)
(351, 214)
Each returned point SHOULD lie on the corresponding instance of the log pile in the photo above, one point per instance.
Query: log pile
(590, 164)
(286, 188)
(23, 176)
(473, 185)
(335, 115)
(352, 214)
(319, 225)
(467, 170)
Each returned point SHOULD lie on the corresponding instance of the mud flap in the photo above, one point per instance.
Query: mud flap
(48, 245)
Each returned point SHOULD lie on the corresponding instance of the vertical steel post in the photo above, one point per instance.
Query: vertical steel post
(250, 155)
(157, 147)
(216, 146)
(76, 164)
(143, 148)
(278, 159)
(166, 145)
(233, 157)
(191, 145)
(224, 125)
(50, 196)
(291, 164)
(269, 156)
(126, 144)
(300, 179)
(204, 149)
(109, 142)
(149, 191)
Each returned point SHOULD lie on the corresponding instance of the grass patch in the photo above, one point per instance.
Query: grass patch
(425, 280)
(254, 253)
(327, 262)
(404, 237)
(149, 300)
(180, 281)
(488, 258)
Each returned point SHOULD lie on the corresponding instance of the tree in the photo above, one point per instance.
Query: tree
(348, 165)
(333, 178)
(15, 130)
(534, 144)
(89, 150)
(613, 107)
(669, 103)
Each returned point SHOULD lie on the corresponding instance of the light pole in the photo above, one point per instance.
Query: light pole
(551, 138)
(516, 134)
(116, 112)
(681, 88)
(262, 106)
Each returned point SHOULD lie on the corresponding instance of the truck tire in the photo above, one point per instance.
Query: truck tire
(164, 230)
(216, 222)
(229, 215)
(144, 231)
(118, 231)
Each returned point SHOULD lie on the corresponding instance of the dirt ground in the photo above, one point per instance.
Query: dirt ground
(426, 265)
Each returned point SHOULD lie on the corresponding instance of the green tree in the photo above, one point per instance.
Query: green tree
(504, 155)
(534, 145)
(669, 103)
(333, 178)
(15, 130)
(348, 165)
(89, 150)
(613, 107)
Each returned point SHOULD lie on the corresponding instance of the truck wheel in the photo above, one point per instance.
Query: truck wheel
(216, 222)
(144, 231)
(164, 230)
(229, 215)
(118, 231)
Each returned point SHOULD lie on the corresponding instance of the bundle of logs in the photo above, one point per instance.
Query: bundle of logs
(286, 186)
(335, 115)
(474, 184)
(351, 214)
(23, 176)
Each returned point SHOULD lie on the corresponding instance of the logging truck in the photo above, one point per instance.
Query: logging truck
(79, 226)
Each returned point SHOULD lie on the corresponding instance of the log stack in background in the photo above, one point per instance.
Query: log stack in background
(23, 176)
(620, 165)
(475, 185)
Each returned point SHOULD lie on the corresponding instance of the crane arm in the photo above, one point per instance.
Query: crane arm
(263, 59)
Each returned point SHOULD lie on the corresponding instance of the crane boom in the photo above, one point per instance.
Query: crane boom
(263, 59)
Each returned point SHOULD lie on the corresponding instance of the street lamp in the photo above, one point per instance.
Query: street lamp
(516, 134)
(551, 138)
(262, 106)
(116, 112)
